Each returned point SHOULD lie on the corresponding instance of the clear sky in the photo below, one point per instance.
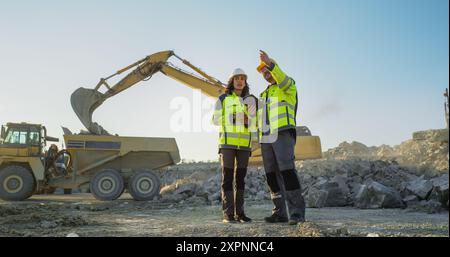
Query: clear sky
(372, 71)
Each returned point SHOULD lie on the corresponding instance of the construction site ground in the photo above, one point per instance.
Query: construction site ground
(82, 215)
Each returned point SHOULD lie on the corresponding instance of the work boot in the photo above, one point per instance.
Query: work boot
(275, 218)
(295, 221)
(228, 219)
(242, 218)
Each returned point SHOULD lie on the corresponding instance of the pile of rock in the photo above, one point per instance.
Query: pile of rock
(411, 175)
(430, 195)
(347, 150)
(182, 189)
(371, 184)
(427, 150)
(331, 183)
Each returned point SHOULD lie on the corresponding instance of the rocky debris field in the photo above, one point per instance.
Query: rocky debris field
(364, 184)
(413, 176)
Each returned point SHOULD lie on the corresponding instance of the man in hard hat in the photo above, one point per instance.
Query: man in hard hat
(277, 122)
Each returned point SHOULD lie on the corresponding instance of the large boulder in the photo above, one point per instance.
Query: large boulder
(360, 169)
(376, 195)
(354, 190)
(336, 196)
(188, 188)
(411, 200)
(420, 187)
(440, 190)
(342, 182)
(316, 198)
(327, 193)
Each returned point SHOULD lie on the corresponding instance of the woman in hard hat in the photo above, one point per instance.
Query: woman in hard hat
(235, 114)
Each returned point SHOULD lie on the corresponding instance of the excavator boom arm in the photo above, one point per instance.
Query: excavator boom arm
(207, 87)
(84, 100)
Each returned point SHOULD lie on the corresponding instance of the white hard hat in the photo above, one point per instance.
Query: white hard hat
(237, 71)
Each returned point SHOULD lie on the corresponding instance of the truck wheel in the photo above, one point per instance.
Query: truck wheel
(16, 183)
(67, 191)
(144, 185)
(107, 185)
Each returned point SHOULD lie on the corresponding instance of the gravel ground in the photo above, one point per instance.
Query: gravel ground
(61, 215)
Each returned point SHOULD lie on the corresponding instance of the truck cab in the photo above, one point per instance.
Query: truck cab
(22, 159)
(22, 140)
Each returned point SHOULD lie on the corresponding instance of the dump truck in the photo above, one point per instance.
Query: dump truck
(106, 165)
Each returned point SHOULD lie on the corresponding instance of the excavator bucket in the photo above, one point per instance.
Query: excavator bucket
(84, 102)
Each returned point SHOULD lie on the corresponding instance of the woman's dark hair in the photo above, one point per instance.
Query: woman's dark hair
(230, 88)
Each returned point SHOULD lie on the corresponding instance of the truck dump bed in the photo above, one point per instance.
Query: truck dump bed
(91, 152)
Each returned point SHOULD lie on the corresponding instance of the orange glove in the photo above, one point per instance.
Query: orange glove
(261, 67)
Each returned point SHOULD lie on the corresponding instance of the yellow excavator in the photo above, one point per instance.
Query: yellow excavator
(84, 101)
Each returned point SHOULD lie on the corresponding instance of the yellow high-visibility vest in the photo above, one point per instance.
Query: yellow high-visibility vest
(278, 108)
(229, 115)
